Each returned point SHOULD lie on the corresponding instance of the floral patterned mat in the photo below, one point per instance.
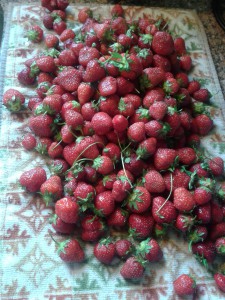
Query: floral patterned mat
(30, 267)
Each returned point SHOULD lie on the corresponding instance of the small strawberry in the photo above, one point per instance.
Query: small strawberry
(136, 132)
(203, 123)
(61, 226)
(105, 251)
(59, 25)
(103, 165)
(33, 179)
(112, 151)
(84, 195)
(35, 34)
(120, 123)
(151, 77)
(150, 250)
(117, 11)
(205, 251)
(69, 79)
(70, 251)
(132, 269)
(193, 87)
(164, 158)
(220, 245)
(179, 46)
(51, 189)
(73, 119)
(102, 123)
(146, 148)
(140, 225)
(201, 95)
(203, 213)
(202, 195)
(118, 218)
(29, 141)
(26, 76)
(184, 222)
(171, 86)
(139, 200)
(84, 14)
(66, 35)
(104, 203)
(41, 125)
(220, 281)
(216, 166)
(186, 155)
(51, 41)
(153, 95)
(185, 62)
(153, 182)
(158, 110)
(184, 285)
(163, 211)
(67, 210)
(13, 100)
(123, 248)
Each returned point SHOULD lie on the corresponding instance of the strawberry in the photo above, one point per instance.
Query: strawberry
(69, 79)
(94, 71)
(103, 165)
(153, 95)
(29, 141)
(162, 43)
(180, 179)
(35, 34)
(70, 251)
(161, 62)
(109, 105)
(186, 155)
(184, 285)
(151, 77)
(84, 195)
(107, 86)
(203, 123)
(58, 167)
(101, 123)
(140, 115)
(124, 86)
(104, 203)
(216, 166)
(91, 235)
(216, 213)
(66, 35)
(179, 46)
(117, 11)
(132, 269)
(134, 99)
(67, 58)
(183, 200)
(150, 250)
(201, 95)
(51, 41)
(33, 179)
(53, 104)
(156, 129)
(120, 123)
(197, 234)
(74, 119)
(51, 189)
(91, 175)
(46, 64)
(163, 211)
(136, 132)
(48, 21)
(217, 231)
(182, 79)
(153, 182)
(202, 195)
(164, 158)
(118, 218)
(203, 213)
(146, 148)
(91, 223)
(184, 222)
(185, 62)
(87, 54)
(61, 226)
(158, 110)
(112, 151)
(105, 251)
(171, 86)
(140, 225)
(13, 100)
(193, 87)
(139, 200)
(59, 26)
(220, 281)
(199, 169)
(62, 4)
(205, 251)
(123, 248)
(85, 92)
(67, 209)
(220, 245)
(41, 125)
(84, 14)
(26, 76)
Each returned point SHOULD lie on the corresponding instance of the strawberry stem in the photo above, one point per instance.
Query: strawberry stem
(171, 189)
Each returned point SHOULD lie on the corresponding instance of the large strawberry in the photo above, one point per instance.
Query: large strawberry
(183, 200)
(132, 269)
(104, 203)
(105, 251)
(41, 125)
(139, 200)
(164, 158)
(69, 79)
(184, 285)
(70, 251)
(67, 209)
(163, 210)
(33, 179)
(51, 189)
(154, 182)
(140, 225)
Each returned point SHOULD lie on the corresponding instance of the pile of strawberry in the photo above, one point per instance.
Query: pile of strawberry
(121, 121)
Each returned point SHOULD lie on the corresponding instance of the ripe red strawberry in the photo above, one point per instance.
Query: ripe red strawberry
(162, 43)
(202, 195)
(184, 285)
(201, 95)
(179, 179)
(132, 269)
(70, 251)
(66, 35)
(51, 41)
(220, 245)
(139, 200)
(220, 281)
(120, 123)
(109, 105)
(183, 200)
(204, 251)
(103, 165)
(104, 203)
(62, 4)
(26, 77)
(118, 218)
(87, 147)
(84, 14)
(67, 58)
(156, 129)
(179, 46)
(66, 134)
(140, 225)
(33, 179)
(217, 231)
(117, 11)
(164, 158)
(184, 222)
(51, 189)
(35, 34)
(61, 226)
(101, 123)
(123, 248)
(105, 251)
(69, 79)
(48, 21)
(67, 209)
(13, 100)
(55, 150)
(182, 79)
(124, 86)
(158, 110)
(107, 86)
(112, 151)
(29, 141)
(172, 118)
(46, 64)
(91, 223)
(199, 170)
(58, 167)
(203, 123)
(41, 125)
(161, 62)
(203, 213)
(154, 182)
(59, 25)
(171, 86)
(185, 62)
(186, 155)
(150, 250)
(197, 234)
(84, 92)
(74, 119)
(216, 166)
(136, 132)
(153, 95)
(163, 211)
(193, 87)
(94, 71)
(216, 213)
(53, 103)
(151, 77)
(146, 148)
(91, 235)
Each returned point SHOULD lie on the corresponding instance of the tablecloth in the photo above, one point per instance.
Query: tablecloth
(30, 266)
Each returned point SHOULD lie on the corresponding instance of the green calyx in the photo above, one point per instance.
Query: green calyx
(146, 38)
(143, 113)
(142, 53)
(122, 62)
(144, 82)
(53, 218)
(97, 163)
(32, 35)
(106, 241)
(134, 198)
(221, 249)
(48, 197)
(44, 109)
(143, 248)
(42, 149)
(14, 104)
(167, 87)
